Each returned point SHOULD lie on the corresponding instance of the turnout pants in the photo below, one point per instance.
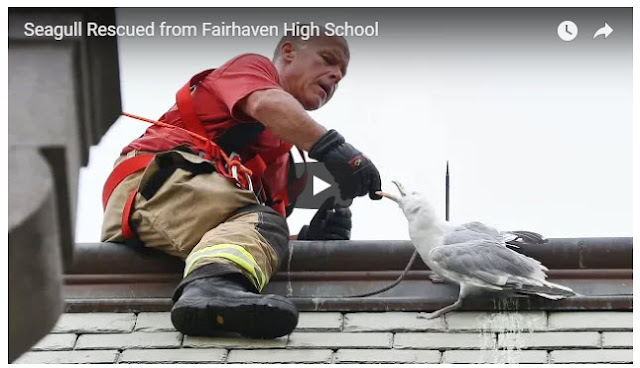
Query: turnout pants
(186, 209)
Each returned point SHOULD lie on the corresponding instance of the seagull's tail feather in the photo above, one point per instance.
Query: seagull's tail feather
(516, 237)
(545, 289)
(552, 297)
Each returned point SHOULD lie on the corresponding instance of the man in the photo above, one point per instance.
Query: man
(231, 231)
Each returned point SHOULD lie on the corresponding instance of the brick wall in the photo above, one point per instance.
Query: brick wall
(332, 337)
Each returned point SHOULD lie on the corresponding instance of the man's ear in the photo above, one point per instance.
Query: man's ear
(288, 51)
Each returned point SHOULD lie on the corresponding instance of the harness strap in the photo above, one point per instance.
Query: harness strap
(272, 155)
(258, 163)
(185, 104)
(126, 214)
(124, 169)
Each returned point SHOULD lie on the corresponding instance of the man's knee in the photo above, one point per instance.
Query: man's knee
(272, 226)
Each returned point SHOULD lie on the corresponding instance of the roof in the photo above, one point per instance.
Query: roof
(334, 337)
(108, 277)
(120, 298)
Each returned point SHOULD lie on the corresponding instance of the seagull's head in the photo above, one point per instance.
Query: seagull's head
(413, 204)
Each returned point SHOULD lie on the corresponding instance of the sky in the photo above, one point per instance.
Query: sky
(537, 131)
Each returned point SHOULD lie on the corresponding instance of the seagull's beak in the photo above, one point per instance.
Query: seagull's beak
(400, 188)
(387, 195)
(392, 197)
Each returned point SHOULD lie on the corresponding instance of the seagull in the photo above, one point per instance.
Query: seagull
(474, 255)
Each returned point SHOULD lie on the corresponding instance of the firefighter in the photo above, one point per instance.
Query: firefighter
(209, 183)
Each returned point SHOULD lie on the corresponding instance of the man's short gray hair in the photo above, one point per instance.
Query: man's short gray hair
(297, 39)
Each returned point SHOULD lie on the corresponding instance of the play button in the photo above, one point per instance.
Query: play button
(320, 187)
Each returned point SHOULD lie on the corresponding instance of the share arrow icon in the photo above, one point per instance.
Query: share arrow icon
(606, 31)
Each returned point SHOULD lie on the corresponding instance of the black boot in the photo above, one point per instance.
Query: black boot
(207, 301)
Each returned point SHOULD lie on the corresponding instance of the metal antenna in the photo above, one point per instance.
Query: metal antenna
(446, 188)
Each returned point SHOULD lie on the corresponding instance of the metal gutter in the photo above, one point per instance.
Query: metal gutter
(113, 277)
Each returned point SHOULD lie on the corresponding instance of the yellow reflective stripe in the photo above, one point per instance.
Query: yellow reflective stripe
(237, 258)
(241, 262)
(232, 252)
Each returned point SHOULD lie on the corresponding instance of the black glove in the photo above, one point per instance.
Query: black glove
(327, 224)
(355, 173)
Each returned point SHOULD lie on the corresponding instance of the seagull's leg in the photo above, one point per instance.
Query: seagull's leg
(464, 290)
(442, 311)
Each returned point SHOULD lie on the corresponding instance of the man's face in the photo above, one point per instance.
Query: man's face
(312, 69)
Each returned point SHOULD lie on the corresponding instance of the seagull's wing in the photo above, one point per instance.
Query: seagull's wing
(473, 231)
(488, 262)
(477, 230)
(494, 266)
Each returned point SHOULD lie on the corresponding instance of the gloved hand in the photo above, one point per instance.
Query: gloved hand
(327, 224)
(355, 174)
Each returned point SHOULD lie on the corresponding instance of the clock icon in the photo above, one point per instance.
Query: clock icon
(567, 30)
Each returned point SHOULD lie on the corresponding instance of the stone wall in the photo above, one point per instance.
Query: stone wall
(333, 337)
(63, 96)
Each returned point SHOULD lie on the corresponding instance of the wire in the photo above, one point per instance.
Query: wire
(378, 291)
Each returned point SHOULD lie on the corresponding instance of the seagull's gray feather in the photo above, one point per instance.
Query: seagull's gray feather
(477, 230)
(489, 261)
(472, 231)
(515, 237)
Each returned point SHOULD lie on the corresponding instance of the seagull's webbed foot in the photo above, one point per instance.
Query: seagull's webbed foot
(442, 311)
(428, 315)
